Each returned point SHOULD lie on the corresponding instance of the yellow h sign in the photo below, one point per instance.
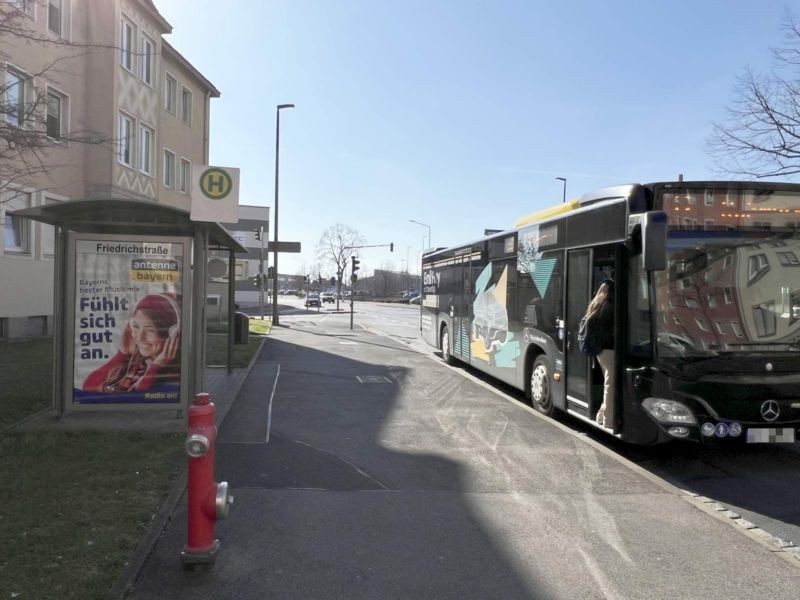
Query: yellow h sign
(215, 183)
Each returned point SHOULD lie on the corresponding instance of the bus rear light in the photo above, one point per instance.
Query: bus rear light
(669, 412)
(678, 431)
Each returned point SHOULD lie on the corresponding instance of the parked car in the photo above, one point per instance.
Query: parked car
(328, 297)
(312, 300)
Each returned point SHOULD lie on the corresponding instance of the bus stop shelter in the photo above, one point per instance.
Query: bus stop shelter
(129, 303)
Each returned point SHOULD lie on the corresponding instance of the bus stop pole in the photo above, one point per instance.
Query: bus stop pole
(231, 306)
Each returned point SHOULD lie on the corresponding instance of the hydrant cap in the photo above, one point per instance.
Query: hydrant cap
(202, 399)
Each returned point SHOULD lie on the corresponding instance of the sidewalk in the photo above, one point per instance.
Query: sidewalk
(389, 475)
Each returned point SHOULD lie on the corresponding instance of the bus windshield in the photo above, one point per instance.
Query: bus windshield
(729, 292)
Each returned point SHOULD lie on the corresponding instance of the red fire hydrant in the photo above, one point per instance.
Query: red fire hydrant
(207, 501)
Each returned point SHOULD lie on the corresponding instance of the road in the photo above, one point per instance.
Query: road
(759, 482)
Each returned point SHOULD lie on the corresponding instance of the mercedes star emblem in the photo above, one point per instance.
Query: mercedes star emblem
(770, 410)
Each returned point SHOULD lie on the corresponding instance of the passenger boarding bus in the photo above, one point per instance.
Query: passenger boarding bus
(706, 278)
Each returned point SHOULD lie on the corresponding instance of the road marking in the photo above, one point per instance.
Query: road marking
(269, 411)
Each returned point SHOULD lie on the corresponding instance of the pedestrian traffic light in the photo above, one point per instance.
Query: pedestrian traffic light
(258, 231)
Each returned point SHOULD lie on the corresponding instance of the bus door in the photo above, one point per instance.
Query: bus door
(462, 305)
(578, 367)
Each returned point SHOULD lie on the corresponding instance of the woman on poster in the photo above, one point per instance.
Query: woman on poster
(149, 354)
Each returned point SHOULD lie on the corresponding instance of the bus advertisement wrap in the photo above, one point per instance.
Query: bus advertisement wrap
(127, 322)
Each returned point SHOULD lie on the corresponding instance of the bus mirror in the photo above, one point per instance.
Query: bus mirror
(654, 240)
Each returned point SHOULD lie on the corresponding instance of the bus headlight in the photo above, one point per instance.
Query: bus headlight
(669, 411)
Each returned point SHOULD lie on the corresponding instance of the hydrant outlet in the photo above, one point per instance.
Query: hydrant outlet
(223, 500)
(197, 445)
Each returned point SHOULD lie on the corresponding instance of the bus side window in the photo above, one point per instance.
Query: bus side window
(638, 309)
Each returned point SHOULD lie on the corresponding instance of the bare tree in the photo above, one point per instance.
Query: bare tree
(335, 248)
(30, 134)
(761, 135)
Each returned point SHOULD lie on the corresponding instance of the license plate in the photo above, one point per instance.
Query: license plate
(779, 435)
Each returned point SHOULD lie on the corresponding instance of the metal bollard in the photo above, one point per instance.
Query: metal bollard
(207, 501)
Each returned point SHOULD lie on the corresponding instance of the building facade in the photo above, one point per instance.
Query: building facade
(120, 113)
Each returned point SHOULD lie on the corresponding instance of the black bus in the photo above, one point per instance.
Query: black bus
(706, 280)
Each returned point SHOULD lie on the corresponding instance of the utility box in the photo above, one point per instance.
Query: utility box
(241, 328)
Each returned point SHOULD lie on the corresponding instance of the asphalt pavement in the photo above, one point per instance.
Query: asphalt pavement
(376, 472)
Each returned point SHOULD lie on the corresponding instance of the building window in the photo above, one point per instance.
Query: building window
(54, 19)
(17, 231)
(757, 267)
(702, 323)
(728, 294)
(126, 140)
(145, 150)
(169, 169)
(794, 306)
(737, 329)
(788, 259)
(709, 199)
(25, 6)
(56, 114)
(711, 300)
(148, 59)
(720, 327)
(186, 173)
(186, 107)
(728, 261)
(692, 303)
(18, 95)
(126, 45)
(764, 319)
(686, 283)
(170, 94)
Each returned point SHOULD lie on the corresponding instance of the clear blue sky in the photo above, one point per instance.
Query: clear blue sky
(460, 114)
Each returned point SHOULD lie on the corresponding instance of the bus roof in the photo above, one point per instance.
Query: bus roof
(637, 193)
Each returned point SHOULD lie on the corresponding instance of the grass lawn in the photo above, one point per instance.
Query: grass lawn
(74, 506)
(217, 350)
(26, 373)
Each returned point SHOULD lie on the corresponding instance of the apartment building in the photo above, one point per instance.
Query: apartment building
(123, 115)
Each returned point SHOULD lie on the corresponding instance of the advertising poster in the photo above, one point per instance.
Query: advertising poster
(127, 322)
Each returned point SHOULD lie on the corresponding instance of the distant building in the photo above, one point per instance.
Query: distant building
(132, 90)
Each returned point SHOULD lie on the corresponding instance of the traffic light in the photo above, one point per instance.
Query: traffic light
(256, 280)
(355, 264)
(391, 247)
(270, 272)
(333, 281)
(258, 231)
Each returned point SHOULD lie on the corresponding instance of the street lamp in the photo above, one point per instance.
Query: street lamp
(275, 254)
(429, 230)
(564, 198)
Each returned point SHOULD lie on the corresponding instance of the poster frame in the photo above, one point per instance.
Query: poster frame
(69, 316)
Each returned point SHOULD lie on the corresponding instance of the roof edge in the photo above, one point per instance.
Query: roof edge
(215, 93)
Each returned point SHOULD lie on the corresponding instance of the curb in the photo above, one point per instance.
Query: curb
(125, 582)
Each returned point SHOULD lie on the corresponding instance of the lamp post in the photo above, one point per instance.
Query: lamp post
(424, 225)
(275, 254)
(564, 197)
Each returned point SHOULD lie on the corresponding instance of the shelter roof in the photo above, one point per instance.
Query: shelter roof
(133, 217)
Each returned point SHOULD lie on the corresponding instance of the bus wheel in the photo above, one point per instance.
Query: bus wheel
(541, 390)
(448, 358)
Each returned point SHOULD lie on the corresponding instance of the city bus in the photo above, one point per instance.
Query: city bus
(706, 279)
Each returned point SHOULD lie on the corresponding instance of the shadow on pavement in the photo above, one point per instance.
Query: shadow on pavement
(325, 509)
